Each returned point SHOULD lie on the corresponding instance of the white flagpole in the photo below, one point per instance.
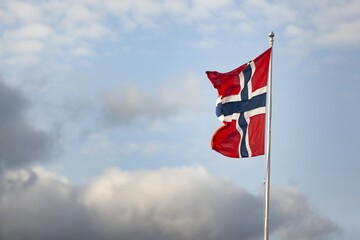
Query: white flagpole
(268, 143)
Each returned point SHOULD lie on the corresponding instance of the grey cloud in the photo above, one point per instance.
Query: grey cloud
(123, 106)
(166, 204)
(295, 218)
(130, 104)
(35, 204)
(20, 143)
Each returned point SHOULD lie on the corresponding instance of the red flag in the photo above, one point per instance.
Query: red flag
(241, 107)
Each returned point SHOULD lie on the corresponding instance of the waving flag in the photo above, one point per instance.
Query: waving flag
(241, 107)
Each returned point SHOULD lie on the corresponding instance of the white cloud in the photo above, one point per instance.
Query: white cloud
(326, 23)
(27, 46)
(276, 13)
(71, 24)
(343, 34)
(23, 11)
(169, 203)
(31, 31)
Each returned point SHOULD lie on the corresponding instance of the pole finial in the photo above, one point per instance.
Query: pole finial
(271, 38)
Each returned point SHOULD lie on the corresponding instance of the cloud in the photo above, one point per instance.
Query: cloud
(338, 23)
(21, 11)
(60, 28)
(277, 13)
(36, 32)
(20, 143)
(97, 144)
(129, 104)
(36, 204)
(325, 24)
(31, 31)
(295, 219)
(169, 203)
(307, 24)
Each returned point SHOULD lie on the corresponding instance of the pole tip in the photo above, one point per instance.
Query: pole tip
(271, 38)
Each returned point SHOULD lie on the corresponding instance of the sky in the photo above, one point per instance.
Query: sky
(106, 117)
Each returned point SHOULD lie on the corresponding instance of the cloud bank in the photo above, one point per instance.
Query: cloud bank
(170, 204)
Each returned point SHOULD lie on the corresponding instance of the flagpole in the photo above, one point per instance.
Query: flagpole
(268, 143)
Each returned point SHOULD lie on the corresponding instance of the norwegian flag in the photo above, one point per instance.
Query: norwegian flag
(241, 107)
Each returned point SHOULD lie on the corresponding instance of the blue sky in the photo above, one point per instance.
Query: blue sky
(107, 115)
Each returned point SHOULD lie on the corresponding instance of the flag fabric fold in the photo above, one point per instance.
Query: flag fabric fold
(241, 107)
